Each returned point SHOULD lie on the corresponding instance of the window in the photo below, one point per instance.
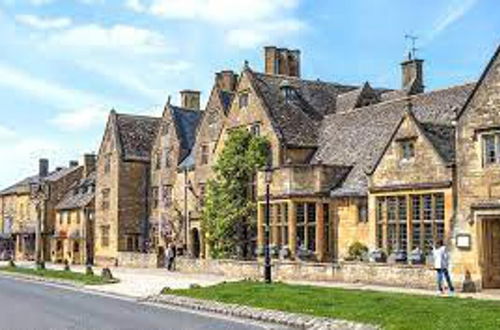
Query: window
(78, 220)
(157, 160)
(362, 211)
(166, 157)
(306, 226)
(407, 149)
(328, 233)
(154, 197)
(202, 194)
(167, 195)
(255, 129)
(68, 217)
(204, 154)
(107, 163)
(105, 198)
(105, 236)
(491, 148)
(426, 223)
(243, 100)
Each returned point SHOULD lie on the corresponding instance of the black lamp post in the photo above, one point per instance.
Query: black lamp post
(38, 195)
(268, 172)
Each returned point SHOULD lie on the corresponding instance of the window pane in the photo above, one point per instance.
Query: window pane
(380, 235)
(311, 238)
(300, 215)
(391, 208)
(402, 208)
(416, 207)
(416, 235)
(391, 237)
(311, 212)
(489, 149)
(439, 199)
(380, 209)
(428, 237)
(427, 207)
(403, 237)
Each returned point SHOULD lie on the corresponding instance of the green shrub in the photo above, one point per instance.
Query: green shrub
(357, 250)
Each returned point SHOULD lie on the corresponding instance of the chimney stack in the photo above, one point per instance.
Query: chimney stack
(190, 99)
(282, 61)
(43, 167)
(73, 163)
(226, 80)
(89, 164)
(412, 75)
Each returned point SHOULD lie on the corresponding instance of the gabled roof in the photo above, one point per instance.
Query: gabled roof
(80, 195)
(353, 99)
(186, 121)
(442, 138)
(296, 119)
(23, 186)
(136, 135)
(358, 138)
(494, 58)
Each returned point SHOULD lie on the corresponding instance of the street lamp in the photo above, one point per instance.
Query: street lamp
(268, 173)
(38, 195)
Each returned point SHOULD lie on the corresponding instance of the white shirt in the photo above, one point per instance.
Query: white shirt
(440, 257)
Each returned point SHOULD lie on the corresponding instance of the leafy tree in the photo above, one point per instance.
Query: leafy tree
(229, 212)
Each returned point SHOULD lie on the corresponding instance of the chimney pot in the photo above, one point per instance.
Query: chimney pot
(412, 77)
(226, 80)
(282, 61)
(43, 167)
(190, 99)
(73, 163)
(89, 164)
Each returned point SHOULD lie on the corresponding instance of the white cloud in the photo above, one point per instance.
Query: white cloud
(454, 12)
(6, 133)
(81, 119)
(135, 5)
(216, 11)
(43, 23)
(47, 91)
(257, 34)
(118, 38)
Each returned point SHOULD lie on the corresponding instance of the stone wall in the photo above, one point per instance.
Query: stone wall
(352, 272)
(137, 260)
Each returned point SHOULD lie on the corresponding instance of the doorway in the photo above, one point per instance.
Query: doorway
(491, 252)
(195, 239)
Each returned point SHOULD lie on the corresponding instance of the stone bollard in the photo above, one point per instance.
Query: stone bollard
(66, 265)
(12, 263)
(106, 274)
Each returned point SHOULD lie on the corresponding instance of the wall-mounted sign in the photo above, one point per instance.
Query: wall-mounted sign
(463, 241)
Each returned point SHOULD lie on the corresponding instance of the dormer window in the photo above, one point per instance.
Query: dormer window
(243, 100)
(407, 149)
(491, 148)
(287, 90)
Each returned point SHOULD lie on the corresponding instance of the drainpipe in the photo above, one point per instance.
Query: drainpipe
(186, 217)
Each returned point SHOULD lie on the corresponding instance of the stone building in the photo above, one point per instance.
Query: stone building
(122, 186)
(169, 214)
(73, 239)
(476, 229)
(21, 213)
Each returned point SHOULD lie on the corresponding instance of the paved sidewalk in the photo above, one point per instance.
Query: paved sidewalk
(144, 282)
(141, 282)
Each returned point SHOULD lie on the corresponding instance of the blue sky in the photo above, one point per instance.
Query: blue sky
(65, 63)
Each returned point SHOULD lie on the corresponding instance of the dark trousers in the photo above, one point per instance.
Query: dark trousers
(170, 263)
(443, 272)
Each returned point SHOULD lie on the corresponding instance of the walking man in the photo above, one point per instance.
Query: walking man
(441, 263)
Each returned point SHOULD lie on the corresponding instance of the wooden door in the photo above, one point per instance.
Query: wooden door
(491, 245)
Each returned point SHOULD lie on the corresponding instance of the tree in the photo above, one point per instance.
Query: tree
(229, 212)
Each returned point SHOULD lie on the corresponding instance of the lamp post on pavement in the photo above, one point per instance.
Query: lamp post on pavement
(268, 172)
(38, 195)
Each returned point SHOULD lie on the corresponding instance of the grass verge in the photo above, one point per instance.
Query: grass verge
(59, 274)
(390, 310)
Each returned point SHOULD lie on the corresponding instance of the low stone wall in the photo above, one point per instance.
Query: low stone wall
(137, 260)
(353, 272)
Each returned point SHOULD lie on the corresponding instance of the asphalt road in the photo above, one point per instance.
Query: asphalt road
(28, 305)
